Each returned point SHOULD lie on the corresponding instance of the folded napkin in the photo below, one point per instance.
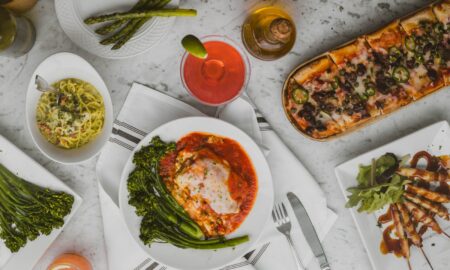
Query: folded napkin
(144, 110)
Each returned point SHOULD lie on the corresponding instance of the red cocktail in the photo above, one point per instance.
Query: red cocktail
(219, 78)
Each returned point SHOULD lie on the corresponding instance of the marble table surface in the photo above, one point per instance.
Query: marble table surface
(322, 24)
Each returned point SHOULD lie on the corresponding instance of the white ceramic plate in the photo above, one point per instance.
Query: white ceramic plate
(191, 259)
(434, 139)
(63, 66)
(71, 14)
(18, 162)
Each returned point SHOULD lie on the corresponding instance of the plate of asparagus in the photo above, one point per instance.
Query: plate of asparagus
(118, 29)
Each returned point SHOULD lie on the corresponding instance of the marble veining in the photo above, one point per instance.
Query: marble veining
(321, 24)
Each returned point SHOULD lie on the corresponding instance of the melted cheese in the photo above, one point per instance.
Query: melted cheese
(207, 179)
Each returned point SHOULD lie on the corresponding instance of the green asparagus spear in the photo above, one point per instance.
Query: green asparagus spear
(113, 26)
(125, 38)
(142, 14)
(134, 27)
(120, 34)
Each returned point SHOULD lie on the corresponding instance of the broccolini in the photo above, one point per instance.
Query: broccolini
(28, 210)
(163, 219)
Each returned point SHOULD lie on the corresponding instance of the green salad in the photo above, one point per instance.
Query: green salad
(378, 184)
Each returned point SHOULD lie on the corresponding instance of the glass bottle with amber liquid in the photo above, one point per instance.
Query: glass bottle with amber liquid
(268, 33)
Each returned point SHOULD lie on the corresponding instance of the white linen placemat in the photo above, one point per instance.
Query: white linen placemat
(144, 110)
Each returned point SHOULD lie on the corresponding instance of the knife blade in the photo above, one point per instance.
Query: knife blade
(308, 230)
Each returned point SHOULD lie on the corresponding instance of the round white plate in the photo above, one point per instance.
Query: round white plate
(192, 259)
(58, 67)
(71, 14)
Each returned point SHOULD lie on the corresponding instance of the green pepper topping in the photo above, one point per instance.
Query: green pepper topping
(410, 43)
(419, 58)
(394, 54)
(370, 91)
(400, 74)
(394, 51)
(300, 95)
(335, 83)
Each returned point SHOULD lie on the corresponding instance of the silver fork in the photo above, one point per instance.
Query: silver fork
(281, 219)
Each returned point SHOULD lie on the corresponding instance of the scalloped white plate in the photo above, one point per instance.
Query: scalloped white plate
(18, 162)
(71, 14)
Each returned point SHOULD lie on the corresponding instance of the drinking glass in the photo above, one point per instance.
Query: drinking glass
(18, 6)
(17, 34)
(219, 78)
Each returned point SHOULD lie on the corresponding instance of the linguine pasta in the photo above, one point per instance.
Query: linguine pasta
(72, 115)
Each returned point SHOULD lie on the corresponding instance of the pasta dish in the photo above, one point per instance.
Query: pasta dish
(72, 115)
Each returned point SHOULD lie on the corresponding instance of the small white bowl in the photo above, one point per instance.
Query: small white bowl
(58, 67)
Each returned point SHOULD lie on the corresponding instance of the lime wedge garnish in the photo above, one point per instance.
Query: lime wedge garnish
(194, 46)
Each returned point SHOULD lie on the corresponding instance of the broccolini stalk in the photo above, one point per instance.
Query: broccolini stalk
(164, 220)
(27, 210)
(153, 230)
(146, 178)
(146, 201)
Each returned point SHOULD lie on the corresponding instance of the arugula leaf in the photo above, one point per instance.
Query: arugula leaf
(371, 196)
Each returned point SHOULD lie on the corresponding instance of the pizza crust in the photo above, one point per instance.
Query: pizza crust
(388, 36)
(412, 22)
(312, 69)
(346, 53)
(442, 11)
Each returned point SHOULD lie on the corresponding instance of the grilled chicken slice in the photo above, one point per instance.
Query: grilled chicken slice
(428, 194)
(435, 208)
(408, 225)
(425, 175)
(404, 244)
(422, 216)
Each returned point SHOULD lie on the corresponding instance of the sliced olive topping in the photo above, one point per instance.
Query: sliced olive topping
(410, 43)
(300, 95)
(410, 63)
(400, 74)
(433, 75)
(361, 69)
(438, 28)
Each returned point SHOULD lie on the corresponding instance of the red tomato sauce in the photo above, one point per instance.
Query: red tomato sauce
(242, 182)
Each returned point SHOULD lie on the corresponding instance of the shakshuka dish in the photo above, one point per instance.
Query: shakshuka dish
(213, 179)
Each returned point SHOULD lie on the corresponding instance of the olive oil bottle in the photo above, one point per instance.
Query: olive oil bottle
(268, 33)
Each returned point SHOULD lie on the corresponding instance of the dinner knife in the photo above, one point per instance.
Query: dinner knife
(308, 230)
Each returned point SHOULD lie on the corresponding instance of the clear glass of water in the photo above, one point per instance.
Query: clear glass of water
(17, 34)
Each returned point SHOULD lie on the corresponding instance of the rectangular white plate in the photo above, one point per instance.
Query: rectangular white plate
(434, 139)
(18, 162)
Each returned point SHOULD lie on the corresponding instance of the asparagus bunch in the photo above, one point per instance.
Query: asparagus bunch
(123, 25)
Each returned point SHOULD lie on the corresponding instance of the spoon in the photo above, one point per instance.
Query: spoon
(42, 85)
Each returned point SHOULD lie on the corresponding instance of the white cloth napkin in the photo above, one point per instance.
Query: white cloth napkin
(145, 109)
